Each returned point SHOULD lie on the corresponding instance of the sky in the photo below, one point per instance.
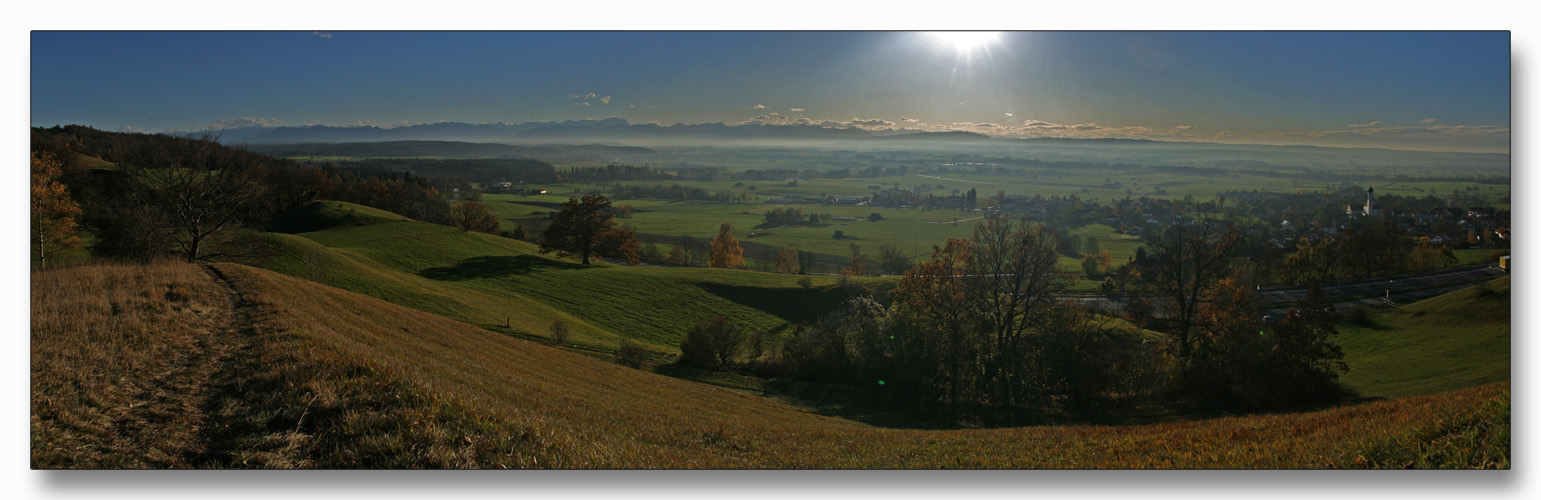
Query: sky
(1402, 90)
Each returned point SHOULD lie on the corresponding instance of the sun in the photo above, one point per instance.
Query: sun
(965, 42)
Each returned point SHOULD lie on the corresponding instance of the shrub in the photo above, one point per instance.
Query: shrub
(805, 282)
(560, 333)
(1359, 316)
(711, 342)
(630, 353)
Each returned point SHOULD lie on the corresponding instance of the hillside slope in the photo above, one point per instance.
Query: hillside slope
(316, 376)
(1459, 339)
(492, 282)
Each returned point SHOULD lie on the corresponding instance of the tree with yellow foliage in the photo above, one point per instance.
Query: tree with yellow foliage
(726, 251)
(53, 211)
(787, 261)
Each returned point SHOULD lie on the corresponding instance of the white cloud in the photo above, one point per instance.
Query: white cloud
(1009, 114)
(583, 103)
(632, 106)
(1361, 125)
(1428, 121)
(877, 123)
(605, 99)
(1185, 127)
(797, 110)
(589, 95)
(758, 106)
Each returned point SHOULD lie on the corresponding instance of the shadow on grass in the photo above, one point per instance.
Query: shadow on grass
(494, 267)
(792, 304)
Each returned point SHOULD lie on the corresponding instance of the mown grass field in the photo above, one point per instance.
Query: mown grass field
(1460, 339)
(913, 232)
(334, 379)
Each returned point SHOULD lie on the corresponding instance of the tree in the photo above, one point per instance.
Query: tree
(858, 263)
(1306, 360)
(1014, 279)
(560, 333)
(934, 325)
(1229, 326)
(1184, 261)
(473, 216)
(711, 342)
(584, 226)
(678, 256)
(1089, 266)
(1426, 256)
(726, 252)
(620, 244)
(518, 232)
(53, 211)
(787, 260)
(196, 188)
(630, 353)
(891, 260)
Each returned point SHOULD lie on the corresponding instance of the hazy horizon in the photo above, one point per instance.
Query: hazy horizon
(1431, 91)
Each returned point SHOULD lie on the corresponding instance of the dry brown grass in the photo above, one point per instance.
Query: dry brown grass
(118, 353)
(337, 379)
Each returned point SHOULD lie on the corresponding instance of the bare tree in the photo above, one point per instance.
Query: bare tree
(1015, 280)
(1185, 261)
(196, 188)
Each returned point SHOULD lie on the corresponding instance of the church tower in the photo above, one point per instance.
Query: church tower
(1369, 203)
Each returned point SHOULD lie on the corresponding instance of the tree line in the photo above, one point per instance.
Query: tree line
(980, 332)
(188, 197)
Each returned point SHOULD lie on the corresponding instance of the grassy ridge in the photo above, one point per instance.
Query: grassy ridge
(338, 379)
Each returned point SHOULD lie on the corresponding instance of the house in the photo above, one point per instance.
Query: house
(840, 199)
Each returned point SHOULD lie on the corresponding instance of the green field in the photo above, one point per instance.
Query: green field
(506, 285)
(912, 231)
(1456, 340)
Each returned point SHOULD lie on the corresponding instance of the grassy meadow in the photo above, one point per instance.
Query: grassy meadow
(506, 285)
(1460, 339)
(330, 378)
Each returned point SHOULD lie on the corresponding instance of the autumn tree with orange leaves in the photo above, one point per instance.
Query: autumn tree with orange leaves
(53, 211)
(726, 251)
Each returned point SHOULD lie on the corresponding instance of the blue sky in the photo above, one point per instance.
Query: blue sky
(1403, 90)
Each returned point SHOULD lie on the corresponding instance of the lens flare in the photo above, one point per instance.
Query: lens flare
(965, 42)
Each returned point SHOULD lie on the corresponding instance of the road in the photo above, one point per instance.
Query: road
(1398, 289)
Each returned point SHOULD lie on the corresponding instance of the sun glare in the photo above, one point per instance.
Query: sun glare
(964, 42)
